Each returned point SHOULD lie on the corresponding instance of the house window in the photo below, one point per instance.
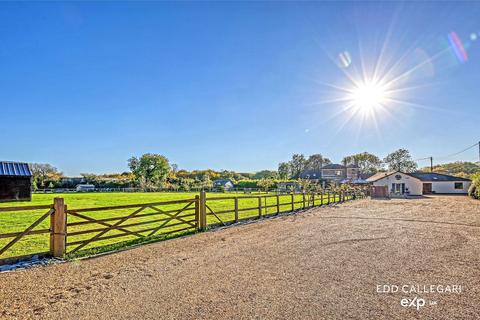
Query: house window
(339, 173)
(459, 185)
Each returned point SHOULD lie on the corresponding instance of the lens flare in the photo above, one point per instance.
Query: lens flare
(344, 59)
(457, 46)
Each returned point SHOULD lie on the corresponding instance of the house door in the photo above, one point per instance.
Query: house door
(427, 188)
(398, 188)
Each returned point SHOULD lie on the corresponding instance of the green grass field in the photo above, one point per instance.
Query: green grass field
(18, 221)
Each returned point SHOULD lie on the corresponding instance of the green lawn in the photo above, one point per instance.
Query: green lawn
(18, 221)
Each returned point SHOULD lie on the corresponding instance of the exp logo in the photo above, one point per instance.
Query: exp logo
(416, 303)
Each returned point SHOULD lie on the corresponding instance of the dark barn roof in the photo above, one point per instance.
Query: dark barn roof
(14, 169)
(432, 176)
(339, 166)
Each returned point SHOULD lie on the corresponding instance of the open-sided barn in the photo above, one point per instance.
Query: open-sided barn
(15, 181)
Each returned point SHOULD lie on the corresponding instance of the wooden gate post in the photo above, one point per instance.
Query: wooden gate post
(203, 210)
(58, 228)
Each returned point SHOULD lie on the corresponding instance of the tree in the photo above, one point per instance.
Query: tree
(43, 173)
(284, 170)
(297, 165)
(150, 170)
(264, 174)
(206, 182)
(186, 184)
(316, 162)
(266, 184)
(367, 162)
(400, 160)
(460, 169)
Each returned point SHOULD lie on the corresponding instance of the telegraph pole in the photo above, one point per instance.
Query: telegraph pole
(431, 164)
(478, 151)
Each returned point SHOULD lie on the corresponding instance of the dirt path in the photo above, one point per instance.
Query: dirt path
(321, 264)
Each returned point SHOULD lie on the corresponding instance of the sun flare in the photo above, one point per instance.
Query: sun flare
(368, 96)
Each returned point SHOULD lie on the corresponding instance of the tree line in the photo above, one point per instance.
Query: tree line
(156, 171)
(367, 163)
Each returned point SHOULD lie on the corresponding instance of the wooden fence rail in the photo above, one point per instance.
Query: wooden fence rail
(75, 229)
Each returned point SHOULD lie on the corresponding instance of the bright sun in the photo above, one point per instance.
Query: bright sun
(368, 96)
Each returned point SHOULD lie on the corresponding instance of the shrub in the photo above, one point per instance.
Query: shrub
(474, 190)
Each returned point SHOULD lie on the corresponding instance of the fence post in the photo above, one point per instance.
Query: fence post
(58, 228)
(197, 212)
(259, 206)
(313, 199)
(236, 209)
(328, 193)
(278, 204)
(303, 199)
(293, 201)
(203, 210)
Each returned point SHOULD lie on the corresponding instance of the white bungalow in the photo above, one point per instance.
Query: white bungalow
(418, 183)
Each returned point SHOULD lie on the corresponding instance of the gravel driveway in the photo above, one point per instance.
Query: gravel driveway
(326, 263)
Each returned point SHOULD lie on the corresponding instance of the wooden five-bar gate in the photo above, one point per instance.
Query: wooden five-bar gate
(56, 230)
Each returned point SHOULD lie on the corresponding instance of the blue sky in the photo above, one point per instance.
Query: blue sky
(241, 86)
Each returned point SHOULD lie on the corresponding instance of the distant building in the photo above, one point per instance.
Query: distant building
(311, 175)
(337, 173)
(362, 178)
(71, 182)
(85, 187)
(223, 183)
(15, 181)
(289, 186)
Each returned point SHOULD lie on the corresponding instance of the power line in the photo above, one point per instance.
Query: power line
(450, 155)
(426, 158)
(459, 152)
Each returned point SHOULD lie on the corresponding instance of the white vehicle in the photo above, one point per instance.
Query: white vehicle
(85, 187)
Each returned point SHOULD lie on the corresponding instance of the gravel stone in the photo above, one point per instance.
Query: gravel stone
(324, 263)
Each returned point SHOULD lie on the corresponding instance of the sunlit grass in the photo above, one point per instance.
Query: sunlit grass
(18, 221)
